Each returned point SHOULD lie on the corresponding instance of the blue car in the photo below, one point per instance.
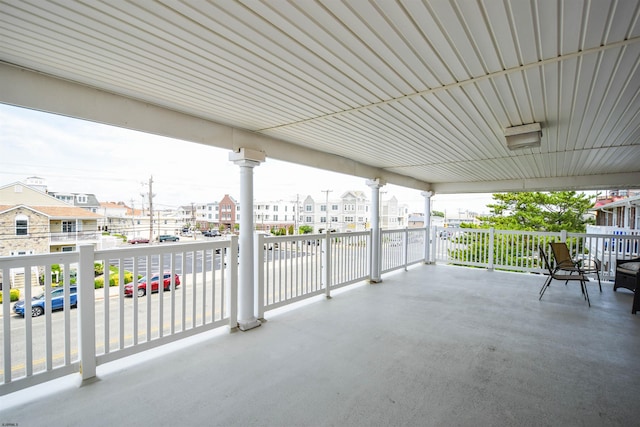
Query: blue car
(57, 302)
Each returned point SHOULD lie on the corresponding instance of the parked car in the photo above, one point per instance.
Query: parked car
(137, 240)
(168, 238)
(211, 233)
(57, 302)
(142, 284)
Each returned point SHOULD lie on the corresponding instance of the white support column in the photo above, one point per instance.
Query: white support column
(86, 313)
(247, 159)
(427, 224)
(376, 243)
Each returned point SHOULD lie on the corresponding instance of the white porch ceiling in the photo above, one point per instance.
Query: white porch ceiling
(415, 92)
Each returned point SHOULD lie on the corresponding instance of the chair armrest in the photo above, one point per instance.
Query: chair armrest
(624, 261)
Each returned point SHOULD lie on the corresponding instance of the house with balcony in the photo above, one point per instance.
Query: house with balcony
(33, 222)
(85, 201)
(228, 212)
(275, 214)
(211, 215)
(618, 211)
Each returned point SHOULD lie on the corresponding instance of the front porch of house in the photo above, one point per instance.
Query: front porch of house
(434, 345)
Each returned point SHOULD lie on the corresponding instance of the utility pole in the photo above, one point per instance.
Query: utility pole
(133, 218)
(151, 196)
(151, 208)
(295, 214)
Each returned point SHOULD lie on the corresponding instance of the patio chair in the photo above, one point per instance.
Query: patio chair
(553, 274)
(564, 262)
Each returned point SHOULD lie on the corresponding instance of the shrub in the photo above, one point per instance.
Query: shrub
(114, 278)
(98, 268)
(14, 295)
(305, 229)
(98, 283)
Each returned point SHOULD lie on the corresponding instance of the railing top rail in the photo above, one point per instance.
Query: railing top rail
(37, 259)
(158, 249)
(315, 236)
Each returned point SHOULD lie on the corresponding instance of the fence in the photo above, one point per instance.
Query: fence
(518, 250)
(200, 291)
(194, 292)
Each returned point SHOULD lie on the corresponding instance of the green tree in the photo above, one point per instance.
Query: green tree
(550, 212)
(437, 213)
(554, 211)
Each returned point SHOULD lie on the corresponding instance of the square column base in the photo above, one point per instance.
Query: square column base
(245, 325)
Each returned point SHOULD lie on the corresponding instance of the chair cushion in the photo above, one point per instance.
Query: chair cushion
(629, 268)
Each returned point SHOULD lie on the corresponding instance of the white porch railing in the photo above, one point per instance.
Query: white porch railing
(107, 325)
(518, 250)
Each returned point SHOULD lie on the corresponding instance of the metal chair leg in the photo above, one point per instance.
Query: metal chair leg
(545, 286)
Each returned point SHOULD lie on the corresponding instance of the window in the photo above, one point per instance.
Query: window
(307, 219)
(334, 219)
(68, 226)
(81, 198)
(22, 225)
(275, 208)
(334, 207)
(275, 217)
(308, 208)
(68, 249)
(323, 208)
(323, 219)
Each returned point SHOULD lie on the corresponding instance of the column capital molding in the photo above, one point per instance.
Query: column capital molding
(247, 157)
(376, 183)
(427, 193)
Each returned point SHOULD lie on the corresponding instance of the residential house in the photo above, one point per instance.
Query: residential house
(617, 211)
(32, 221)
(275, 214)
(228, 212)
(85, 201)
(212, 215)
(393, 214)
(354, 212)
(416, 220)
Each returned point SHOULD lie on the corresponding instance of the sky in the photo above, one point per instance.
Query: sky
(116, 164)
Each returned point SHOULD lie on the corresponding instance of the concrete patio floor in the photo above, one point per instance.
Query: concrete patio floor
(434, 346)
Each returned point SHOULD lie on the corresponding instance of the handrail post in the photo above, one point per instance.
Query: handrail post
(405, 247)
(232, 290)
(86, 313)
(563, 235)
(327, 265)
(259, 275)
(428, 250)
(492, 240)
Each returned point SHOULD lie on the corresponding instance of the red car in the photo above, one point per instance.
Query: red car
(137, 240)
(142, 285)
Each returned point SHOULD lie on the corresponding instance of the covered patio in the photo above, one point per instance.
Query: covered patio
(417, 94)
(435, 345)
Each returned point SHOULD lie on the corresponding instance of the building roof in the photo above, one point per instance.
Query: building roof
(625, 201)
(55, 212)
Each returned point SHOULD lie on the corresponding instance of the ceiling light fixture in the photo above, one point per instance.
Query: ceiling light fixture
(525, 136)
